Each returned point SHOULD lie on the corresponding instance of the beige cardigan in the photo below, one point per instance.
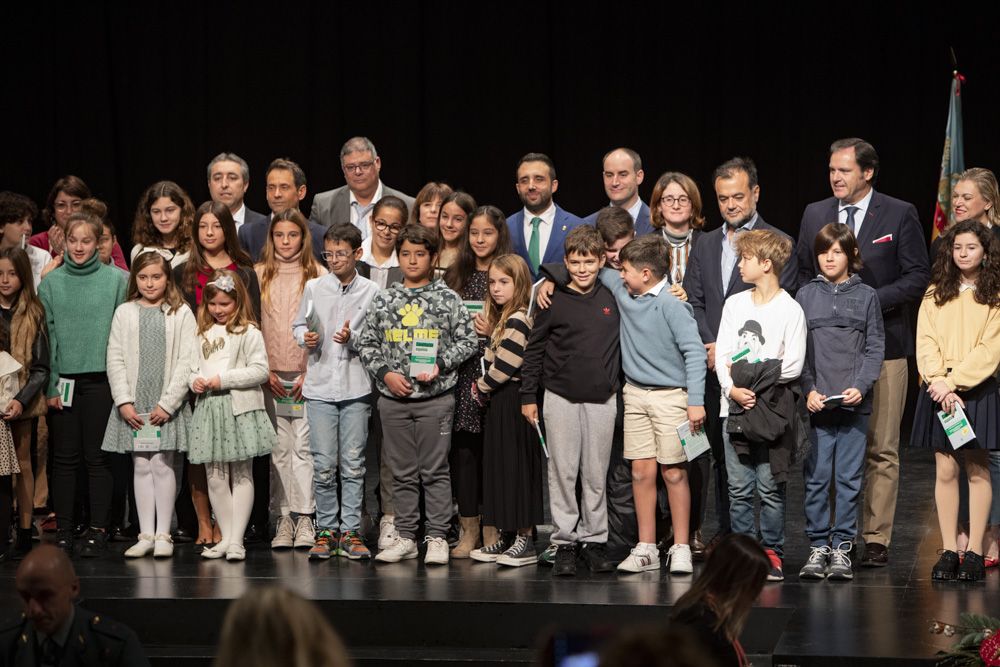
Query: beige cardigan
(247, 371)
(123, 355)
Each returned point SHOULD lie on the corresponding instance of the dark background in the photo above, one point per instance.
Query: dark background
(124, 94)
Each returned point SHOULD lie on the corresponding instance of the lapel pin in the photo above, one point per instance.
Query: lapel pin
(564, 228)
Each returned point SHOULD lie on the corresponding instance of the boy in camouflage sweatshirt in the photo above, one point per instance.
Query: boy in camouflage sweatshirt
(417, 412)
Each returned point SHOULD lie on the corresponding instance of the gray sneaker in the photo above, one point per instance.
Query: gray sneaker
(816, 566)
(522, 552)
(840, 568)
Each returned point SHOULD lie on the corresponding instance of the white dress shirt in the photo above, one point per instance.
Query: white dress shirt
(859, 215)
(379, 272)
(548, 217)
(240, 216)
(363, 224)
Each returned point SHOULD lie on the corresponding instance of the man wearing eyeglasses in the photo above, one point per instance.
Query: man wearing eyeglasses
(285, 188)
(354, 202)
(622, 173)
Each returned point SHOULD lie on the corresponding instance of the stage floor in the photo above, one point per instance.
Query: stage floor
(404, 612)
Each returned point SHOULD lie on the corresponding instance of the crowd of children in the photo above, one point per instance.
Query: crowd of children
(425, 341)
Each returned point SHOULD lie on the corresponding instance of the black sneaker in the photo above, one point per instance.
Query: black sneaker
(946, 569)
(565, 565)
(94, 543)
(595, 555)
(491, 552)
(522, 552)
(64, 540)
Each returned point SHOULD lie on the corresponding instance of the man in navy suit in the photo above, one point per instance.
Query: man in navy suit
(286, 187)
(712, 277)
(894, 254)
(538, 231)
(228, 180)
(622, 173)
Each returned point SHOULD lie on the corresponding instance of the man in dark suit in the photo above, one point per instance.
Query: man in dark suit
(52, 630)
(538, 231)
(353, 202)
(228, 180)
(286, 187)
(622, 173)
(894, 253)
(712, 277)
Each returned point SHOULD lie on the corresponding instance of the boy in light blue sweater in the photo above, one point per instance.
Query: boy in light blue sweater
(664, 363)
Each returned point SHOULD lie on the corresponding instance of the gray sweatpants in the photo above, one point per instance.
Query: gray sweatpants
(579, 440)
(416, 437)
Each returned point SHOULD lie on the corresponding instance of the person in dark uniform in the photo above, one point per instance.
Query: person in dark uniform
(52, 630)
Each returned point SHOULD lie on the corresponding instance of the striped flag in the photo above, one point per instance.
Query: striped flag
(953, 159)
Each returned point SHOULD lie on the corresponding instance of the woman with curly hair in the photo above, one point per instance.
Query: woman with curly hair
(958, 351)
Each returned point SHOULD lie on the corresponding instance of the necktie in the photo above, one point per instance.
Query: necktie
(50, 653)
(851, 210)
(533, 243)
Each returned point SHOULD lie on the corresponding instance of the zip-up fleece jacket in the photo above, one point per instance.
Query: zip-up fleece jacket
(574, 350)
(397, 316)
(845, 339)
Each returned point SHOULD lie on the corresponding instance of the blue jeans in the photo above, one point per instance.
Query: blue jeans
(839, 438)
(338, 433)
(749, 473)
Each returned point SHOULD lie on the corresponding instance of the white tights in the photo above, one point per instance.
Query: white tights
(155, 491)
(230, 488)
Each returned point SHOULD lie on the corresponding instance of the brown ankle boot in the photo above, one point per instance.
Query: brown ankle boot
(469, 539)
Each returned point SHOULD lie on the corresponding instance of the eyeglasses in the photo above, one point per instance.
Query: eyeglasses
(340, 254)
(382, 225)
(69, 206)
(670, 200)
(361, 167)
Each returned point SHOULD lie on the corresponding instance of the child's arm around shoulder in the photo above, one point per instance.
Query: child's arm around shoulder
(255, 372)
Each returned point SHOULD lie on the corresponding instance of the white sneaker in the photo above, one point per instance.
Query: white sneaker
(284, 535)
(437, 551)
(679, 559)
(387, 533)
(403, 548)
(143, 547)
(641, 559)
(305, 533)
(163, 547)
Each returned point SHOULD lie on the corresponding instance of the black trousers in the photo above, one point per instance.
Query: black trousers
(76, 435)
(466, 463)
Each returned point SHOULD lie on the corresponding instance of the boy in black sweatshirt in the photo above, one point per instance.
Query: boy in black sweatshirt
(573, 352)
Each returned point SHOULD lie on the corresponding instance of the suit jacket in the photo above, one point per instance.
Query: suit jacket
(395, 274)
(561, 225)
(703, 279)
(896, 265)
(253, 236)
(92, 640)
(335, 205)
(643, 225)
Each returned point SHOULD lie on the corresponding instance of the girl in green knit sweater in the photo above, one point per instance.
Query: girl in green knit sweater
(80, 298)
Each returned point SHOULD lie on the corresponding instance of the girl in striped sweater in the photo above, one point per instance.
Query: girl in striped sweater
(512, 454)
